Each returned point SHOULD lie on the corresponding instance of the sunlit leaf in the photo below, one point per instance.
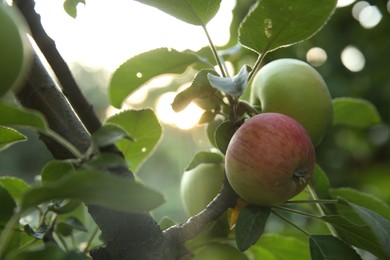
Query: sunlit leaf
(250, 225)
(320, 182)
(9, 136)
(197, 12)
(327, 247)
(138, 70)
(200, 88)
(96, 188)
(274, 24)
(354, 112)
(70, 6)
(233, 86)
(14, 115)
(144, 127)
(204, 157)
(108, 134)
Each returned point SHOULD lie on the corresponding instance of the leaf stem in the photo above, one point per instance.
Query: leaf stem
(62, 141)
(257, 65)
(215, 53)
(89, 243)
(7, 233)
(297, 212)
(313, 193)
(311, 201)
(291, 223)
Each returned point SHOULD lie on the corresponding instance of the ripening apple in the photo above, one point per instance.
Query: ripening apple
(269, 159)
(15, 51)
(294, 88)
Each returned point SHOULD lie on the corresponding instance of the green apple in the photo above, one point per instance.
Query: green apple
(216, 251)
(269, 159)
(198, 188)
(294, 88)
(200, 185)
(15, 50)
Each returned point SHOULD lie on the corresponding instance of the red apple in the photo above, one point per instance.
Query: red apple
(269, 159)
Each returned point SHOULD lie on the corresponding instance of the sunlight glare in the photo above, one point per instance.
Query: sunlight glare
(343, 3)
(185, 119)
(353, 59)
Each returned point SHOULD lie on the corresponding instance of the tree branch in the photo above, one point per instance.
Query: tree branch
(178, 234)
(48, 47)
(127, 236)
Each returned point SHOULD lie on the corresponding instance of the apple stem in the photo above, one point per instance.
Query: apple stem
(313, 193)
(291, 223)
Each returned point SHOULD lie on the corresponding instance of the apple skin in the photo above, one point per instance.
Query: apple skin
(15, 50)
(294, 88)
(200, 185)
(216, 251)
(198, 188)
(270, 159)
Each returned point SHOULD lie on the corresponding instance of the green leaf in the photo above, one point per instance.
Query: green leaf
(200, 89)
(355, 112)
(14, 115)
(358, 235)
(70, 6)
(144, 127)
(275, 24)
(233, 86)
(250, 225)
(96, 188)
(14, 186)
(223, 134)
(378, 225)
(363, 199)
(106, 160)
(166, 222)
(63, 207)
(49, 252)
(320, 182)
(9, 136)
(327, 247)
(8, 206)
(138, 70)
(55, 170)
(280, 247)
(66, 228)
(204, 157)
(197, 12)
(108, 134)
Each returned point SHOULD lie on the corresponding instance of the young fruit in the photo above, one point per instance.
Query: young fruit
(15, 51)
(296, 89)
(200, 185)
(198, 188)
(270, 159)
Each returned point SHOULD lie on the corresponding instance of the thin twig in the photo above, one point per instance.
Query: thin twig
(291, 223)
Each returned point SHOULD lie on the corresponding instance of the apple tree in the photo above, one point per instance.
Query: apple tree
(262, 190)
